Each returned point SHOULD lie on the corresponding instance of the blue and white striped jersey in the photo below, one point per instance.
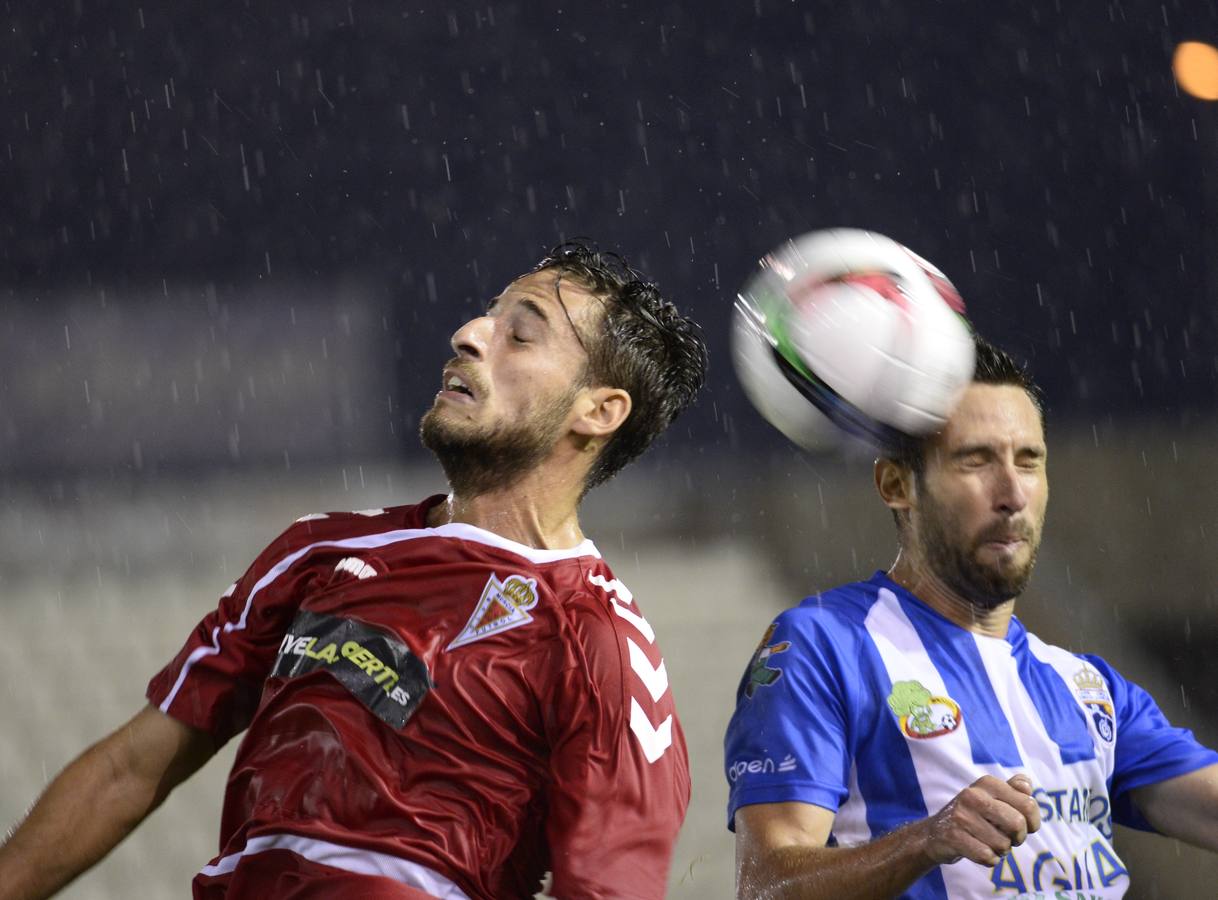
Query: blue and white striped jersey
(865, 701)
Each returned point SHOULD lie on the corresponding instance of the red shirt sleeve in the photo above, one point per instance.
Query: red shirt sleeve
(618, 761)
(215, 681)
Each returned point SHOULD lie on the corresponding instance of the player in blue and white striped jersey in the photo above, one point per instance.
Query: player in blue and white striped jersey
(906, 736)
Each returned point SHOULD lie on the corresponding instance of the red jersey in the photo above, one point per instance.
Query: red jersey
(441, 707)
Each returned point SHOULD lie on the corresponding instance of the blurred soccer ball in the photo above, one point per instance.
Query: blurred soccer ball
(848, 331)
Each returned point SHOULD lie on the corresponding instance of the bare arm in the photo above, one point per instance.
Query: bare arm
(96, 802)
(1185, 807)
(781, 852)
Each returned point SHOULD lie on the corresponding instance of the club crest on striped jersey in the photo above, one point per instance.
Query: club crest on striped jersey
(761, 674)
(920, 713)
(1092, 692)
(503, 605)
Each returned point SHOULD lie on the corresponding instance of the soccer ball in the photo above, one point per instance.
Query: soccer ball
(848, 331)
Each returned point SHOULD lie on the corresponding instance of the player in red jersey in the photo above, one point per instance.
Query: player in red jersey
(440, 700)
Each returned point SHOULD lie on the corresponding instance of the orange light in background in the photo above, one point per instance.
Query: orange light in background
(1196, 68)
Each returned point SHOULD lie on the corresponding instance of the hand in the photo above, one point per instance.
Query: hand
(983, 822)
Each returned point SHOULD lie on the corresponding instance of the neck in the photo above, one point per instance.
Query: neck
(538, 511)
(918, 578)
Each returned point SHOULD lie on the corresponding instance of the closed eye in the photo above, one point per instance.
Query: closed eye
(974, 459)
(1031, 460)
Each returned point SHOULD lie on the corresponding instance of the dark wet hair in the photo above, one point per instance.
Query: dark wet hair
(993, 366)
(643, 345)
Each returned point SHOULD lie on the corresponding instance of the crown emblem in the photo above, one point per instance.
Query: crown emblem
(519, 591)
(503, 605)
(1088, 679)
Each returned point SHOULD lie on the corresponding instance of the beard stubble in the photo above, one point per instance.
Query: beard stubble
(478, 460)
(952, 557)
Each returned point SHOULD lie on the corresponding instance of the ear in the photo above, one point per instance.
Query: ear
(601, 411)
(895, 485)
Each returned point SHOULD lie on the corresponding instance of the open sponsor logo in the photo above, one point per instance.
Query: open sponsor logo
(764, 766)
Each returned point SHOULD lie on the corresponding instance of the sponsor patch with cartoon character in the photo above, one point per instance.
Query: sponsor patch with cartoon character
(761, 674)
(920, 713)
(377, 668)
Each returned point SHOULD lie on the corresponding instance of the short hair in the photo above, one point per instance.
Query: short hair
(643, 345)
(992, 366)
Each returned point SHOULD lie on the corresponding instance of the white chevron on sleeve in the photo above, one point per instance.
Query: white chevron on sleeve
(619, 593)
(614, 587)
(655, 679)
(654, 741)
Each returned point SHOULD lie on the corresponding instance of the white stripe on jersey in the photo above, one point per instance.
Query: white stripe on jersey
(850, 823)
(1067, 665)
(349, 859)
(1041, 756)
(944, 765)
(459, 531)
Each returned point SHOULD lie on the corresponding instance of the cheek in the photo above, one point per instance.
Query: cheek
(1037, 489)
(1042, 502)
(966, 504)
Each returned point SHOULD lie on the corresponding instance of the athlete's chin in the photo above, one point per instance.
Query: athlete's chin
(442, 426)
(1007, 580)
(440, 438)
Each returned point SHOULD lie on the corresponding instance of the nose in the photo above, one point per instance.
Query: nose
(472, 338)
(1010, 492)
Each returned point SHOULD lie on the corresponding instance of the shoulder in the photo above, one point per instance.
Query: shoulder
(606, 632)
(600, 611)
(1092, 680)
(616, 662)
(1121, 688)
(839, 614)
(1086, 671)
(357, 526)
(297, 544)
(821, 642)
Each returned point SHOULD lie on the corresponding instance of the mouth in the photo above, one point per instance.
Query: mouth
(1007, 543)
(456, 387)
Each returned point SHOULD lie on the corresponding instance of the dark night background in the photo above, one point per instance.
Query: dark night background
(1041, 154)
(235, 238)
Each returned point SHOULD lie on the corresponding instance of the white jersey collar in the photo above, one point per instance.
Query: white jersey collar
(464, 532)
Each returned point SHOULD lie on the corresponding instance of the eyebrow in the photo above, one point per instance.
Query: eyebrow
(531, 305)
(969, 449)
(535, 308)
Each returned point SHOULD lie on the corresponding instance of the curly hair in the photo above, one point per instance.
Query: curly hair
(643, 345)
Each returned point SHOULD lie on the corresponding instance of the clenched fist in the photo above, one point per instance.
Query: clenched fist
(983, 822)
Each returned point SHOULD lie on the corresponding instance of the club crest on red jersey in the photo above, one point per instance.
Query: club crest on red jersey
(503, 605)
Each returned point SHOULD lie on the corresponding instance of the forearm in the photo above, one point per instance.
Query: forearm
(879, 869)
(84, 813)
(96, 801)
(1185, 807)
